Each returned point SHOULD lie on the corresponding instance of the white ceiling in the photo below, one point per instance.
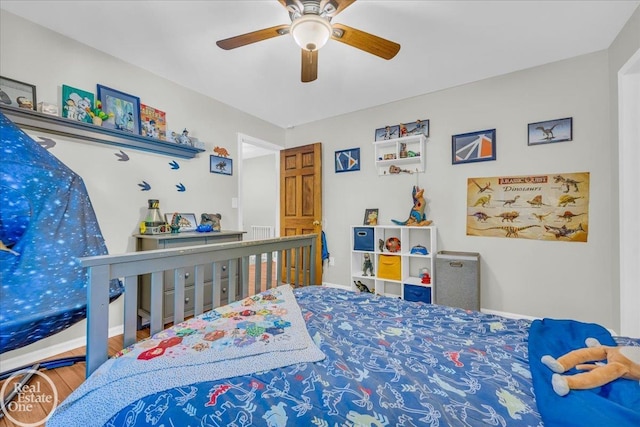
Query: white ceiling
(444, 44)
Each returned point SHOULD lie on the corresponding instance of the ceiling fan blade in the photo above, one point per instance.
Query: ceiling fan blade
(309, 65)
(364, 41)
(255, 36)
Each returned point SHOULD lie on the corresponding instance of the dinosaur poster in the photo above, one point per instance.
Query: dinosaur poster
(543, 207)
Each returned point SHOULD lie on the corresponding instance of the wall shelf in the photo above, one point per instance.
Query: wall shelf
(395, 152)
(30, 119)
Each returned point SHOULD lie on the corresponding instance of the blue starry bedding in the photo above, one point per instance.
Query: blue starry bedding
(47, 223)
(387, 362)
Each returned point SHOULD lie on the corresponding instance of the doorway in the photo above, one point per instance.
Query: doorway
(258, 169)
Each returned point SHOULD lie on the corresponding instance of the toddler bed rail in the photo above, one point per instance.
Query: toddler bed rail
(294, 263)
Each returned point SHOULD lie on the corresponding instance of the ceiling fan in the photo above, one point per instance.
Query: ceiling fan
(311, 28)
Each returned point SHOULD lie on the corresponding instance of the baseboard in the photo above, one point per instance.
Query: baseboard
(508, 315)
(54, 350)
(334, 285)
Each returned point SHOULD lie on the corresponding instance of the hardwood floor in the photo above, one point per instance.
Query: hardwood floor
(68, 378)
(65, 380)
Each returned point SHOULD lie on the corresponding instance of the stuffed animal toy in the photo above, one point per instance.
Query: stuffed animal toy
(622, 362)
(416, 216)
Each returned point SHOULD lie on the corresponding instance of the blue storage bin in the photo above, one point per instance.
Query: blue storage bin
(417, 293)
(363, 239)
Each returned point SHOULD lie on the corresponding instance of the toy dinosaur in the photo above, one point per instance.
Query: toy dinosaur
(221, 151)
(416, 216)
(367, 265)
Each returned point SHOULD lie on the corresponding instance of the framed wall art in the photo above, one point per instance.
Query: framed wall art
(370, 217)
(221, 165)
(415, 128)
(559, 130)
(388, 132)
(17, 94)
(75, 102)
(153, 122)
(348, 160)
(470, 147)
(187, 221)
(124, 107)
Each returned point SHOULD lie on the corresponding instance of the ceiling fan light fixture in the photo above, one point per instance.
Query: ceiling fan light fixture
(311, 32)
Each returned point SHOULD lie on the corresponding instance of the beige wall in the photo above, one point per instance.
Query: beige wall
(536, 278)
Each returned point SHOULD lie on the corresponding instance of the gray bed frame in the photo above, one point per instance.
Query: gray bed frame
(295, 263)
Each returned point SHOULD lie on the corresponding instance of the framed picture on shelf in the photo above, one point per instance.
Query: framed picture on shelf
(387, 132)
(17, 94)
(416, 128)
(559, 130)
(187, 221)
(370, 217)
(153, 122)
(221, 165)
(124, 107)
(75, 103)
(347, 160)
(470, 147)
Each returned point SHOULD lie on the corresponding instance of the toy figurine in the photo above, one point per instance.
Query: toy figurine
(211, 219)
(362, 287)
(367, 265)
(425, 276)
(175, 223)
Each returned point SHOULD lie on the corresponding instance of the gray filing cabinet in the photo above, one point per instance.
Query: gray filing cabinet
(147, 242)
(458, 279)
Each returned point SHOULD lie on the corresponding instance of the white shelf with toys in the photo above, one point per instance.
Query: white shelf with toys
(394, 260)
(405, 154)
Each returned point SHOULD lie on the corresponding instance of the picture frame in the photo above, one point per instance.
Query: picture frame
(221, 165)
(478, 146)
(153, 122)
(370, 216)
(124, 107)
(74, 102)
(18, 94)
(387, 132)
(188, 221)
(550, 131)
(347, 160)
(420, 126)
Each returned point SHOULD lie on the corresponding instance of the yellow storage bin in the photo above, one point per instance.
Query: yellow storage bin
(389, 267)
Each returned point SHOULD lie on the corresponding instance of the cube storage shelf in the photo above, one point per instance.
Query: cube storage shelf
(407, 153)
(365, 241)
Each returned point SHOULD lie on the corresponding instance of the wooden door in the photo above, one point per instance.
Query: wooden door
(301, 196)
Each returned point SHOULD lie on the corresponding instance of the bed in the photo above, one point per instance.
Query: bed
(319, 356)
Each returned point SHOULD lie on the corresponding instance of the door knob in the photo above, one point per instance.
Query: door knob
(316, 222)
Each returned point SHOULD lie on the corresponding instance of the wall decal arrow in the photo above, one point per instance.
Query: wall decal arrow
(181, 187)
(122, 156)
(174, 165)
(46, 143)
(144, 186)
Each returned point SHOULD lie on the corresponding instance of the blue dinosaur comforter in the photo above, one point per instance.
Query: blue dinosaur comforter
(388, 362)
